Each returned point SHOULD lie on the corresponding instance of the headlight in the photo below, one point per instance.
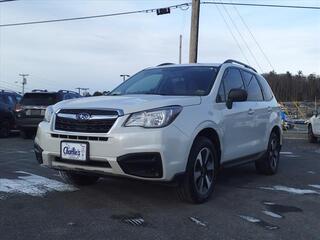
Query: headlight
(48, 114)
(155, 118)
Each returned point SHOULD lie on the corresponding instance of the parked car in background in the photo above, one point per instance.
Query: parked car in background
(314, 127)
(31, 109)
(8, 102)
(168, 123)
(287, 123)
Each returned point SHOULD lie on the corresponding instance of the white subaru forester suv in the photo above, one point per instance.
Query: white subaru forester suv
(170, 123)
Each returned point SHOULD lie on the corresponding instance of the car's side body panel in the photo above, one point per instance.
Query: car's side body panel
(315, 123)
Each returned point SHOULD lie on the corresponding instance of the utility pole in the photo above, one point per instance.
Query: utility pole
(80, 88)
(24, 80)
(180, 48)
(194, 31)
(124, 76)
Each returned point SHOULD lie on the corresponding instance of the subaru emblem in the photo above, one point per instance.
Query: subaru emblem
(83, 116)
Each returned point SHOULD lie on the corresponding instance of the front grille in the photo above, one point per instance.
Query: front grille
(100, 121)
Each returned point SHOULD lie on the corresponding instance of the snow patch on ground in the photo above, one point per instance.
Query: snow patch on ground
(272, 214)
(198, 222)
(314, 186)
(250, 219)
(286, 153)
(32, 185)
(291, 190)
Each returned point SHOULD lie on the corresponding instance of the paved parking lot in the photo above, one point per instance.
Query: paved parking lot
(35, 204)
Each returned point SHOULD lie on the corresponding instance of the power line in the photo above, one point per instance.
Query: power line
(11, 85)
(2, 1)
(253, 37)
(264, 5)
(233, 36)
(151, 10)
(243, 39)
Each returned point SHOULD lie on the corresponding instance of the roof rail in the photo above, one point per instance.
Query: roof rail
(39, 90)
(165, 64)
(240, 63)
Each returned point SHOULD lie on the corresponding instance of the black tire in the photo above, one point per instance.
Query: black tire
(4, 129)
(269, 163)
(78, 179)
(200, 177)
(311, 137)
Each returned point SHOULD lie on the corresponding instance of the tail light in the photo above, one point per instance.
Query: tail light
(18, 108)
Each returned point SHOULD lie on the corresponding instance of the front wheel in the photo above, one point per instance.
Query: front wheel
(199, 181)
(78, 179)
(269, 163)
(311, 137)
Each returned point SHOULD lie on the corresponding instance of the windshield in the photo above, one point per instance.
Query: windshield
(184, 81)
(39, 99)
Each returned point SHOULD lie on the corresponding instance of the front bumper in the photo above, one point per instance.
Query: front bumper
(150, 154)
(24, 122)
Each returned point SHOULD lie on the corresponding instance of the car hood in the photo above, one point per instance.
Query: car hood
(128, 103)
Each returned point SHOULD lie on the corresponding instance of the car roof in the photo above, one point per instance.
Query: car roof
(8, 92)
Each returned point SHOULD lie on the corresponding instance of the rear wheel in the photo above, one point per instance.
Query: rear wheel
(199, 181)
(311, 137)
(78, 179)
(4, 129)
(269, 163)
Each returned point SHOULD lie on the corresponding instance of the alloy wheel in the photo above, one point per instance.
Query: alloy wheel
(274, 153)
(204, 170)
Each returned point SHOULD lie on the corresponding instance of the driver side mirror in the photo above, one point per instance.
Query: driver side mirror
(236, 95)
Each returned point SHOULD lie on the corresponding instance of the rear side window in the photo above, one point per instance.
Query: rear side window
(232, 79)
(267, 92)
(12, 100)
(252, 86)
(3, 99)
(39, 99)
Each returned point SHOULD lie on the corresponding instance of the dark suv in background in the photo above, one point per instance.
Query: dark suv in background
(8, 102)
(32, 107)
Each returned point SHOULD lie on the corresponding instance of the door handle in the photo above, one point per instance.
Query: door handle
(269, 109)
(251, 111)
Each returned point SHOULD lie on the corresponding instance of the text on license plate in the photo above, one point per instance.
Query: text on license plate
(74, 151)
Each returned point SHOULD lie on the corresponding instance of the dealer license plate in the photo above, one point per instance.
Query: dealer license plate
(78, 151)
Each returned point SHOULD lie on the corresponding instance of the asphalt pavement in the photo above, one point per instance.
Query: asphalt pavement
(36, 204)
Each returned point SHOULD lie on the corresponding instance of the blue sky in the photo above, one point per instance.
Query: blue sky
(93, 53)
